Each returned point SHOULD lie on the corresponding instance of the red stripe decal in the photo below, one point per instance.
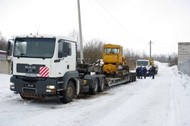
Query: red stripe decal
(44, 71)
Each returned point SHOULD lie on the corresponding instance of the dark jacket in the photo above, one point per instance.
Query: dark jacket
(144, 70)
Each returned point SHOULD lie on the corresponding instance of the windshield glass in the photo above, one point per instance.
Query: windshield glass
(142, 63)
(111, 50)
(34, 47)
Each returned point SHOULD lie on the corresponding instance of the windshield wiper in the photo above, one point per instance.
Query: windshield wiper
(21, 55)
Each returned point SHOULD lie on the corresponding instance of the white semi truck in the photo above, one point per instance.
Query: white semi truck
(46, 66)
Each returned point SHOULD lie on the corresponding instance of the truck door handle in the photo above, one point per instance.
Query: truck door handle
(57, 60)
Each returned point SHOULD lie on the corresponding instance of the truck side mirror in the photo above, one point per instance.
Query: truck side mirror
(9, 47)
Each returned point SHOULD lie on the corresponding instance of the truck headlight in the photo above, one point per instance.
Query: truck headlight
(12, 86)
(50, 87)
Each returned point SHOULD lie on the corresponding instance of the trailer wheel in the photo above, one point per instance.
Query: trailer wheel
(135, 77)
(93, 90)
(68, 94)
(131, 78)
(101, 85)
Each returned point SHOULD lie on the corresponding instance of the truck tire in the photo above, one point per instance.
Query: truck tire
(94, 89)
(135, 77)
(101, 85)
(131, 78)
(69, 93)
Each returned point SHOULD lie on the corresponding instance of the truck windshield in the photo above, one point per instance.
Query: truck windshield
(34, 47)
(142, 63)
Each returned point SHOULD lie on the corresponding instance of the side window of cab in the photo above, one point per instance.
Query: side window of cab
(64, 48)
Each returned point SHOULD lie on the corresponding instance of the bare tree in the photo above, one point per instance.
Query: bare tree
(169, 58)
(131, 54)
(3, 43)
(75, 36)
(93, 50)
(173, 59)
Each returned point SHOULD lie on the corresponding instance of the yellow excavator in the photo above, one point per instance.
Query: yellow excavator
(114, 61)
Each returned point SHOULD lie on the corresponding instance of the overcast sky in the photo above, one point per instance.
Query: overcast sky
(131, 23)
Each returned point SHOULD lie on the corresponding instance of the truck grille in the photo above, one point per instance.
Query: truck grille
(29, 90)
(26, 68)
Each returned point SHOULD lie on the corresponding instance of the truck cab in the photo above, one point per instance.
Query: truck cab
(143, 63)
(43, 65)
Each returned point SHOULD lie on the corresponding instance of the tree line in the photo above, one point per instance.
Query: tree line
(93, 52)
(3, 43)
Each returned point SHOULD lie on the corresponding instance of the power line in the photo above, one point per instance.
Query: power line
(97, 10)
(116, 21)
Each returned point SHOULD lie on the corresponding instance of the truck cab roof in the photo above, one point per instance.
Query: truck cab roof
(44, 36)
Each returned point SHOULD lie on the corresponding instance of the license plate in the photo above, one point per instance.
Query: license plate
(31, 75)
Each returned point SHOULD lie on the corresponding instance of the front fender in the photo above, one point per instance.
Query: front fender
(69, 75)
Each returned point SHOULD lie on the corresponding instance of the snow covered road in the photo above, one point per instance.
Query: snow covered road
(163, 101)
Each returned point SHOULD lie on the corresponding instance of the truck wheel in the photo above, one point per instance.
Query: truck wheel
(131, 79)
(68, 94)
(93, 90)
(135, 77)
(101, 85)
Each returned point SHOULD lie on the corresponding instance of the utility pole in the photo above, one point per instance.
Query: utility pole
(80, 33)
(150, 49)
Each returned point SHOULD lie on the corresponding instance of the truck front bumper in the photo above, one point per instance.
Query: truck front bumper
(38, 86)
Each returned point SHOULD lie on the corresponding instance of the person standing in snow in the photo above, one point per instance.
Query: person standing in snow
(144, 72)
(152, 71)
(140, 72)
(137, 72)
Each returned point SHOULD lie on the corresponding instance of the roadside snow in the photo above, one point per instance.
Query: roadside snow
(163, 101)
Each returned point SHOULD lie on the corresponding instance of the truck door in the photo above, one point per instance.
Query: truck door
(67, 59)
